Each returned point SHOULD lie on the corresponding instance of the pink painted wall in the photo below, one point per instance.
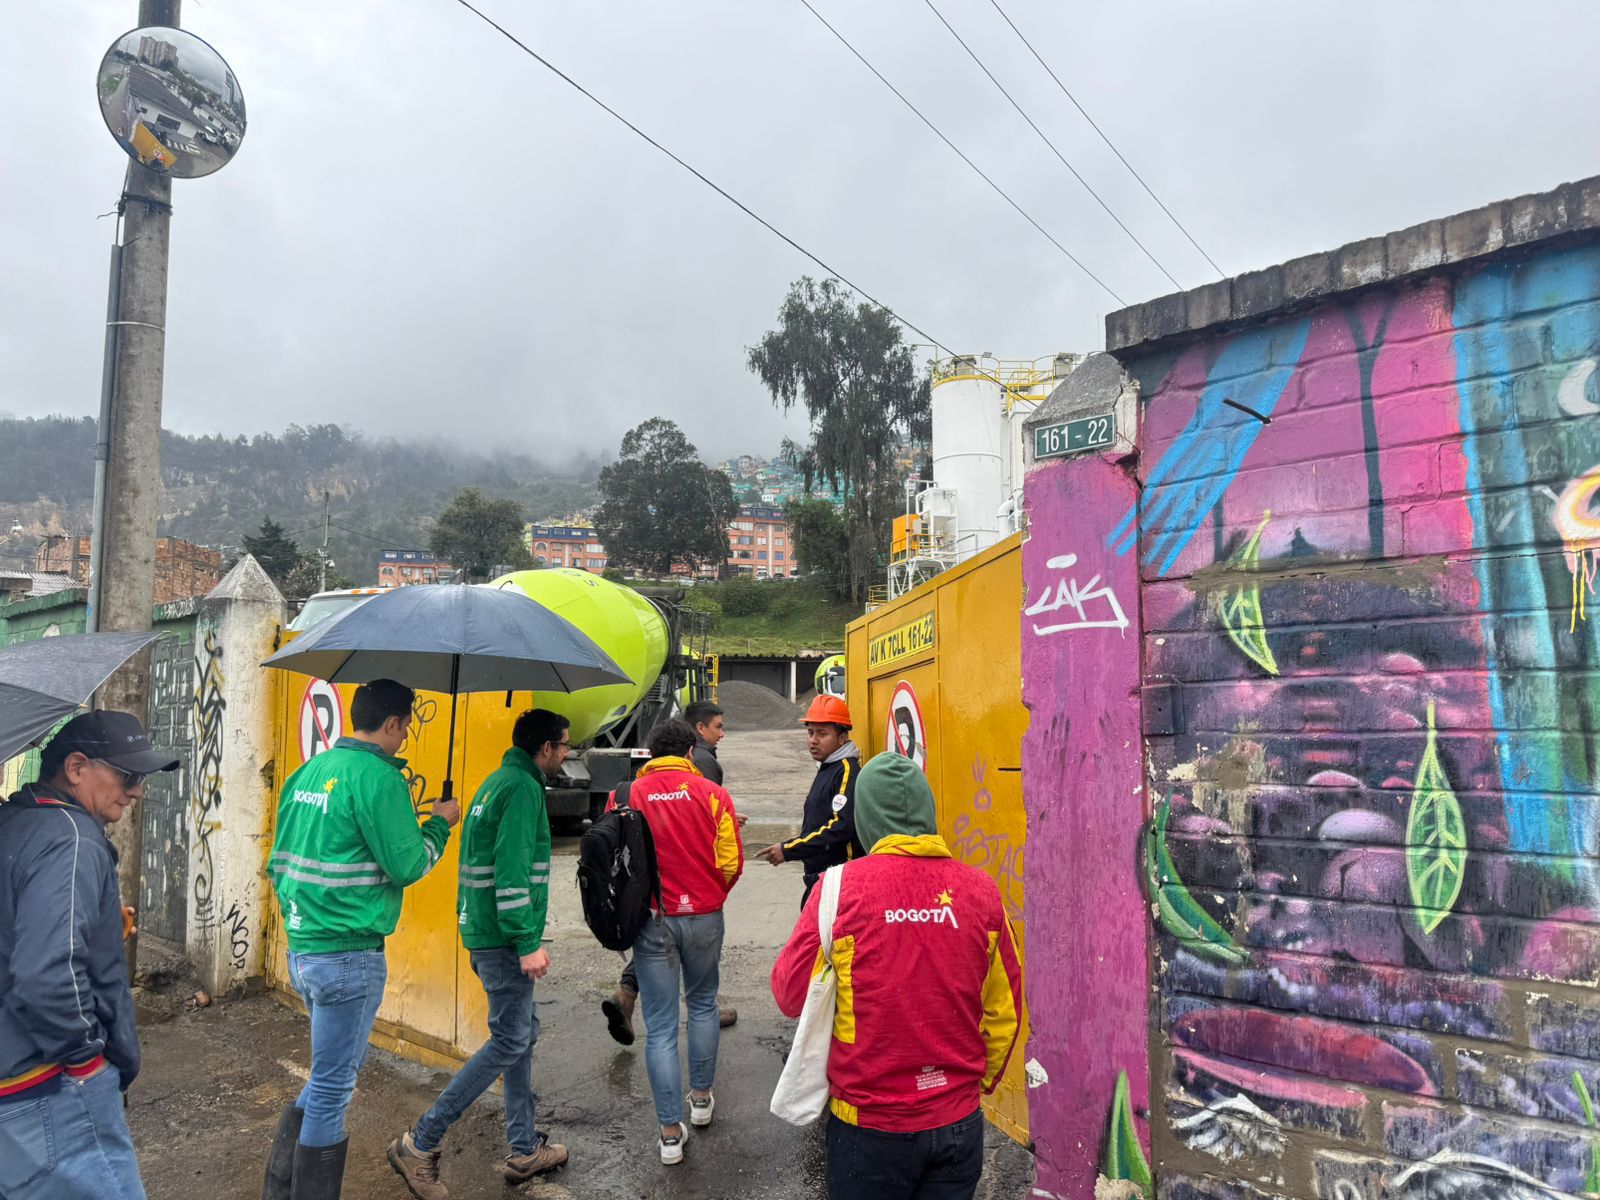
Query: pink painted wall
(1086, 933)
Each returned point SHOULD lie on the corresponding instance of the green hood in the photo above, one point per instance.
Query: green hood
(892, 796)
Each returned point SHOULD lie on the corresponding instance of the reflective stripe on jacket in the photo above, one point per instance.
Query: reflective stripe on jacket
(346, 847)
(504, 890)
(929, 986)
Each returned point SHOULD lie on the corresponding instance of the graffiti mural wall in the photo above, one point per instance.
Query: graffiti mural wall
(1087, 944)
(1367, 541)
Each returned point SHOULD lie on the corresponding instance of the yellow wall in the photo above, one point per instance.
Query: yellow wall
(968, 685)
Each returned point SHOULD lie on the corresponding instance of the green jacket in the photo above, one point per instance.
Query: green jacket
(504, 892)
(346, 847)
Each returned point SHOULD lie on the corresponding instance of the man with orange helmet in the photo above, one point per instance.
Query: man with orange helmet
(828, 828)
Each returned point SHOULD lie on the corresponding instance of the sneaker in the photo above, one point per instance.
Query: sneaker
(672, 1147)
(700, 1110)
(726, 1014)
(519, 1168)
(419, 1168)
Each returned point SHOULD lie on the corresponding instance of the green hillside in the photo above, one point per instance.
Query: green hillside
(772, 617)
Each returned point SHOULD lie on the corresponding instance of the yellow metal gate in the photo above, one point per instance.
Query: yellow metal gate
(937, 673)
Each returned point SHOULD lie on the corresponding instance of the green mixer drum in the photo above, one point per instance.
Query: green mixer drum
(620, 621)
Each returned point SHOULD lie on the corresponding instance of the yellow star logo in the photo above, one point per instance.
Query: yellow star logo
(944, 897)
(328, 787)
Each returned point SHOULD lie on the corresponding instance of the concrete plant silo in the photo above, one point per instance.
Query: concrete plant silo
(969, 448)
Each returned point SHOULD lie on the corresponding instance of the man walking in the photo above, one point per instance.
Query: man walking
(68, 1050)
(828, 828)
(707, 720)
(502, 898)
(700, 856)
(926, 1013)
(347, 846)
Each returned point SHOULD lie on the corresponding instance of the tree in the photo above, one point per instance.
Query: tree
(661, 505)
(477, 534)
(278, 555)
(817, 533)
(862, 392)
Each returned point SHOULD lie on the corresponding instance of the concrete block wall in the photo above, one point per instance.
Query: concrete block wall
(1367, 543)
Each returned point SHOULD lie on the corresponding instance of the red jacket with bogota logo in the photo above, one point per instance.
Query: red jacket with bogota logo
(696, 834)
(929, 986)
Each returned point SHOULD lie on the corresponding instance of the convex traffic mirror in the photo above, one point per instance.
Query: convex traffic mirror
(171, 102)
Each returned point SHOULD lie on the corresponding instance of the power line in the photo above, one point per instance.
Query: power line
(389, 543)
(1004, 195)
(721, 191)
(1220, 273)
(1051, 144)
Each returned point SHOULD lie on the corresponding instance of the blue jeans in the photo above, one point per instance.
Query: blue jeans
(513, 1029)
(68, 1140)
(667, 949)
(936, 1164)
(342, 992)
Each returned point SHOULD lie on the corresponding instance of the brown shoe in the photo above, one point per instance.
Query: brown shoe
(419, 1168)
(519, 1168)
(618, 1008)
(726, 1016)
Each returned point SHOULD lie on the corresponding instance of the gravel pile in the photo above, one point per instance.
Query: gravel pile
(752, 707)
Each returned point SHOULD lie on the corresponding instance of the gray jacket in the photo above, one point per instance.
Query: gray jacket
(64, 996)
(704, 756)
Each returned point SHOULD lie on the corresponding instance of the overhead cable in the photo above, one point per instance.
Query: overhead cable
(1149, 191)
(721, 191)
(940, 133)
(1049, 143)
(373, 537)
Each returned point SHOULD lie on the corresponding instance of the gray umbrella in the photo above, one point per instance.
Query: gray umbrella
(48, 678)
(447, 638)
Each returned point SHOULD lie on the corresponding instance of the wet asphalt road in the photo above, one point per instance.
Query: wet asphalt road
(215, 1079)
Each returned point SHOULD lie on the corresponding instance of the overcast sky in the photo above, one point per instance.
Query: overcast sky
(427, 234)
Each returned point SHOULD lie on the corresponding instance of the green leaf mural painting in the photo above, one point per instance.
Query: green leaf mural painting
(1436, 838)
(1124, 1157)
(1179, 912)
(1240, 610)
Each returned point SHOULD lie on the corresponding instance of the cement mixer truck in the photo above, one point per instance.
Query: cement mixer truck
(658, 643)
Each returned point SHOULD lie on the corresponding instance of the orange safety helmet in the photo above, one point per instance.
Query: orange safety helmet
(828, 710)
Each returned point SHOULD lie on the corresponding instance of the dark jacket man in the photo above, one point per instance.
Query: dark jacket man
(64, 997)
(827, 825)
(67, 1043)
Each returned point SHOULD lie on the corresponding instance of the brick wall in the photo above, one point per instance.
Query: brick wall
(184, 569)
(1367, 544)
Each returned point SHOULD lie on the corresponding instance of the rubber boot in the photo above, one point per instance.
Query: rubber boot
(319, 1171)
(280, 1159)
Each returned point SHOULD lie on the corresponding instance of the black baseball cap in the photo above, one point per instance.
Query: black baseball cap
(113, 737)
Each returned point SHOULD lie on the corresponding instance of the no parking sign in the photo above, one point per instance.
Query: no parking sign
(906, 733)
(321, 720)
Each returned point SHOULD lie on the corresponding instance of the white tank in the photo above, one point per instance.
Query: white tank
(969, 445)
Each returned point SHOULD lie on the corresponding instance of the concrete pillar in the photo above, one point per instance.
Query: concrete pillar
(793, 679)
(233, 797)
(1083, 791)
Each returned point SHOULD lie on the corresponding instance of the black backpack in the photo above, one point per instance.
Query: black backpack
(617, 874)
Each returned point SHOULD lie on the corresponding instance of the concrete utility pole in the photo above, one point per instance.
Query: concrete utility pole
(133, 472)
(322, 555)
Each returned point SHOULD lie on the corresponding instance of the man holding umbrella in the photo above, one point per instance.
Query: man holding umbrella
(67, 1043)
(347, 846)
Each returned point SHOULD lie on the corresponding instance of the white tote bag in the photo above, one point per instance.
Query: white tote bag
(802, 1090)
